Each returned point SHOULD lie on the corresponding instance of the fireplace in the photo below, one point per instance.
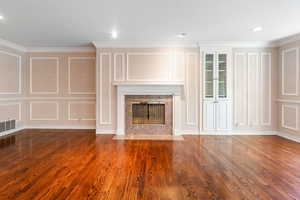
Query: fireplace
(149, 114)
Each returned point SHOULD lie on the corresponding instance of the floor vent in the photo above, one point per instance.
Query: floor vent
(7, 125)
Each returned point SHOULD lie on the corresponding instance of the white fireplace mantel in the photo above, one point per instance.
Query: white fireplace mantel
(123, 89)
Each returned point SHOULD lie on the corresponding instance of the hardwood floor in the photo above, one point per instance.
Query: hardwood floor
(79, 165)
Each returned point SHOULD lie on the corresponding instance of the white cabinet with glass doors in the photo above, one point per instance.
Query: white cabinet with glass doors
(217, 94)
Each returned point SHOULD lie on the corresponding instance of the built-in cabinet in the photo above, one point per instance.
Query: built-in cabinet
(216, 91)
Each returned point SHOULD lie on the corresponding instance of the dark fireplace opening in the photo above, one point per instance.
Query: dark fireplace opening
(148, 113)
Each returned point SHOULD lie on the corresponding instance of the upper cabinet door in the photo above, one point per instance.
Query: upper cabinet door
(209, 60)
(222, 76)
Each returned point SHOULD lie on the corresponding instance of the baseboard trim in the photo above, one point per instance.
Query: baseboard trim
(288, 136)
(238, 132)
(104, 132)
(61, 127)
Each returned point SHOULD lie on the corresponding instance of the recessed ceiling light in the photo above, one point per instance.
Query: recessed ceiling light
(182, 35)
(257, 29)
(114, 34)
(1, 17)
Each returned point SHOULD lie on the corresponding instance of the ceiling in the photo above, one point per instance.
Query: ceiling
(79, 22)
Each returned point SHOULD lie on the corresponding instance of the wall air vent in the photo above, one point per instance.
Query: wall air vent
(7, 125)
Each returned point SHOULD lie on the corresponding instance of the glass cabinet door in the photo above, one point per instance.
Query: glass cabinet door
(222, 75)
(209, 75)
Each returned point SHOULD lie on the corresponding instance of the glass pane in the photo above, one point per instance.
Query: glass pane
(222, 59)
(209, 75)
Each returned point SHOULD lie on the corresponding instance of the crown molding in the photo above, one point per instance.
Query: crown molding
(60, 49)
(191, 44)
(145, 44)
(287, 40)
(12, 45)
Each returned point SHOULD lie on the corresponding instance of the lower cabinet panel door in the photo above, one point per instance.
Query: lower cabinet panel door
(223, 116)
(209, 114)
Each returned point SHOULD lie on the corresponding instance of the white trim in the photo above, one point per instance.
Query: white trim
(19, 108)
(238, 132)
(256, 123)
(270, 88)
(188, 122)
(61, 49)
(46, 98)
(288, 136)
(288, 101)
(283, 69)
(123, 66)
(287, 40)
(79, 102)
(69, 74)
(19, 91)
(58, 127)
(148, 54)
(98, 131)
(57, 74)
(245, 113)
(12, 45)
(283, 106)
(182, 44)
(109, 122)
(44, 119)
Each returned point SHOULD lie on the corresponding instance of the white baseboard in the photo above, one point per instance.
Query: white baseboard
(186, 132)
(60, 127)
(288, 136)
(238, 132)
(98, 131)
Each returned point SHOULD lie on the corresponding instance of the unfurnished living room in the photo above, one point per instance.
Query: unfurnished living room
(149, 100)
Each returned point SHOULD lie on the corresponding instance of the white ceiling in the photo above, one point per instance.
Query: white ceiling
(79, 22)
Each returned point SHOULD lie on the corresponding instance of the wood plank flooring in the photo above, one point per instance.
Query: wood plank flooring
(80, 165)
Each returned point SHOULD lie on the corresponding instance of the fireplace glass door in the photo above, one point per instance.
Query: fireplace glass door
(148, 113)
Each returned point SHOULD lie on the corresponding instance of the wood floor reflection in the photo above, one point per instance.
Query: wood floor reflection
(79, 165)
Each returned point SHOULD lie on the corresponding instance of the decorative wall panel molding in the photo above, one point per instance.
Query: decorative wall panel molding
(290, 72)
(135, 68)
(45, 108)
(7, 112)
(266, 85)
(105, 97)
(81, 116)
(241, 82)
(84, 77)
(191, 89)
(119, 67)
(43, 76)
(9, 78)
(290, 117)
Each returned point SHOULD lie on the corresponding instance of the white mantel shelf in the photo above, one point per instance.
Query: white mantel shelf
(145, 83)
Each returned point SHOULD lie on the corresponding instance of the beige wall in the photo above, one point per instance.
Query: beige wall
(254, 89)
(289, 90)
(57, 89)
(12, 84)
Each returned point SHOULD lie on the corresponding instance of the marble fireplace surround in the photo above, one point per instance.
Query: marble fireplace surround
(123, 89)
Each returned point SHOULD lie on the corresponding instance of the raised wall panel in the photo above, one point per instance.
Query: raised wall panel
(179, 67)
(223, 110)
(44, 110)
(81, 75)
(253, 89)
(119, 67)
(82, 110)
(10, 111)
(289, 117)
(241, 92)
(290, 72)
(44, 75)
(191, 89)
(10, 70)
(105, 96)
(149, 66)
(266, 88)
